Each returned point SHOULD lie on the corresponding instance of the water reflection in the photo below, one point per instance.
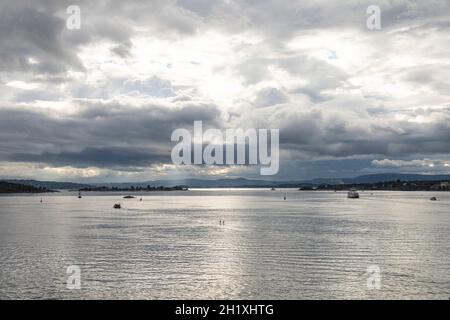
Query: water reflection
(171, 245)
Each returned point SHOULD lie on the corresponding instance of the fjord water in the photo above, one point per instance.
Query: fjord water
(314, 245)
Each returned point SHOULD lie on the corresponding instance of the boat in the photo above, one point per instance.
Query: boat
(79, 195)
(285, 195)
(353, 194)
(273, 189)
(117, 206)
(129, 197)
(433, 199)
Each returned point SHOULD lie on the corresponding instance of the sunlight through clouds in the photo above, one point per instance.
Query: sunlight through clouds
(335, 89)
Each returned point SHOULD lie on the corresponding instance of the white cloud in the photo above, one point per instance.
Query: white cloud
(312, 69)
(22, 85)
(419, 164)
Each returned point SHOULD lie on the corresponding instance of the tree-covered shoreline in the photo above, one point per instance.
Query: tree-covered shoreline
(8, 187)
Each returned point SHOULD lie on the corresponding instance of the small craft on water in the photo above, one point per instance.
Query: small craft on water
(129, 197)
(353, 194)
(117, 206)
(285, 195)
(79, 195)
(433, 199)
(272, 189)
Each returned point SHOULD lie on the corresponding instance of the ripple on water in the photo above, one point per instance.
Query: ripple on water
(315, 245)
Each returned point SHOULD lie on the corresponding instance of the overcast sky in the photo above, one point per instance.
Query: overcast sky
(100, 103)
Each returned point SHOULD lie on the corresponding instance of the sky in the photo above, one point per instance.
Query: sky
(99, 103)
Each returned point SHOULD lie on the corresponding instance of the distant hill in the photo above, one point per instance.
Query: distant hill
(7, 187)
(236, 182)
(386, 177)
(254, 183)
(205, 183)
(53, 185)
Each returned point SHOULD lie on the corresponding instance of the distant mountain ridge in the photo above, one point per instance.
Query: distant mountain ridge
(53, 185)
(386, 177)
(237, 182)
(243, 182)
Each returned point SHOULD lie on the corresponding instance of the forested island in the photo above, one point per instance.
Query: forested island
(7, 187)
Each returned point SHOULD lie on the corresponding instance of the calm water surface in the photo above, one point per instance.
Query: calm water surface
(314, 245)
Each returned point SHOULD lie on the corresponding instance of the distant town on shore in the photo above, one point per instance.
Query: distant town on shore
(394, 182)
(387, 186)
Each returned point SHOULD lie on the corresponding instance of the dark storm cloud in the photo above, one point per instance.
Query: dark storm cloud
(28, 33)
(113, 158)
(106, 135)
(34, 37)
(317, 134)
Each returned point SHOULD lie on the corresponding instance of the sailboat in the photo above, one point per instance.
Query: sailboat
(79, 195)
(285, 195)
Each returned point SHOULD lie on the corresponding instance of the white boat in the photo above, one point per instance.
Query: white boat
(353, 194)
